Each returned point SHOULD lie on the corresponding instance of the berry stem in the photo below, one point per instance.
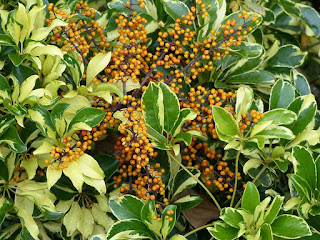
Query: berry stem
(196, 179)
(235, 179)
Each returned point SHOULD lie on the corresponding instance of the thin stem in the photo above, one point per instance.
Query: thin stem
(235, 179)
(265, 166)
(197, 180)
(198, 229)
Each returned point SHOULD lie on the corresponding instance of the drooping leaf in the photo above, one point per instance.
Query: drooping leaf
(126, 207)
(222, 231)
(129, 229)
(284, 225)
(90, 116)
(11, 137)
(96, 65)
(224, 121)
(282, 94)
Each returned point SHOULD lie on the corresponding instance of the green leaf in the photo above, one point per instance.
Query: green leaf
(6, 205)
(171, 107)
(290, 227)
(308, 14)
(47, 50)
(276, 132)
(166, 225)
(252, 163)
(90, 167)
(183, 180)
(153, 112)
(44, 204)
(4, 85)
(304, 165)
(74, 173)
(73, 67)
(266, 232)
(53, 176)
(178, 237)
(300, 82)
(109, 164)
(4, 172)
(185, 115)
(305, 107)
(5, 122)
(273, 209)
(16, 58)
(231, 217)
(6, 40)
(253, 77)
(302, 187)
(28, 222)
(58, 110)
(126, 207)
(294, 57)
(30, 165)
(129, 229)
(279, 116)
(148, 213)
(26, 87)
(71, 219)
(224, 121)
(175, 8)
(183, 137)
(11, 137)
(244, 101)
(222, 231)
(153, 134)
(104, 90)
(317, 162)
(282, 94)
(96, 65)
(188, 202)
(250, 198)
(101, 217)
(90, 116)
(86, 223)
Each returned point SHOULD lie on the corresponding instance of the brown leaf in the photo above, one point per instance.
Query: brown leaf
(202, 213)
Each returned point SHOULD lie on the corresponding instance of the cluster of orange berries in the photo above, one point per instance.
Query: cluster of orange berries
(63, 155)
(168, 216)
(208, 161)
(179, 46)
(84, 37)
(221, 176)
(19, 174)
(73, 148)
(245, 121)
(134, 150)
(130, 59)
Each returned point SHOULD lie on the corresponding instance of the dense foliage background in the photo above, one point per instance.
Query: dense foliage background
(159, 119)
